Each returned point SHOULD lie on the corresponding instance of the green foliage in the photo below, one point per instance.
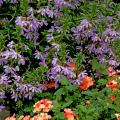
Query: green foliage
(24, 6)
(116, 45)
(35, 76)
(79, 59)
(99, 67)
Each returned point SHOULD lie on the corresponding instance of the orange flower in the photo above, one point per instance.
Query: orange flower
(26, 117)
(112, 97)
(45, 105)
(42, 116)
(87, 102)
(86, 83)
(118, 118)
(112, 84)
(69, 114)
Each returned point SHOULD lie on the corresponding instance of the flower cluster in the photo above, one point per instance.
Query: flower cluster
(69, 114)
(99, 44)
(45, 105)
(112, 84)
(86, 83)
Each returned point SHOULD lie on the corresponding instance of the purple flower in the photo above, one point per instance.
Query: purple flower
(109, 32)
(85, 24)
(29, 26)
(95, 38)
(68, 73)
(21, 22)
(46, 11)
(56, 46)
(113, 62)
(54, 61)
(1, 2)
(14, 95)
(21, 61)
(91, 48)
(109, 18)
(49, 37)
(1, 107)
(4, 79)
(59, 3)
(9, 69)
(2, 95)
(38, 55)
(3, 61)
(6, 54)
(10, 44)
(56, 69)
(17, 77)
(14, 54)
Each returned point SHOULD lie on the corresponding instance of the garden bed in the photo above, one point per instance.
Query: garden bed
(59, 60)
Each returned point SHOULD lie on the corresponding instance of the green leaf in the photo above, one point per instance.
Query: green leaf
(24, 6)
(64, 80)
(79, 59)
(100, 67)
(102, 81)
(67, 104)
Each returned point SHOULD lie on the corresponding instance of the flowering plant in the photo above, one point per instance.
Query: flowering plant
(64, 50)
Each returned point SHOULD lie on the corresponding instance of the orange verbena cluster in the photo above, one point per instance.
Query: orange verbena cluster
(42, 116)
(112, 84)
(86, 83)
(69, 114)
(43, 105)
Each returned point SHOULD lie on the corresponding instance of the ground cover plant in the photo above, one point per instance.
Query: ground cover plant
(60, 59)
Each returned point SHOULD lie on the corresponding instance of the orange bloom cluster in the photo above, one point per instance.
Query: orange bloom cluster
(42, 116)
(86, 83)
(45, 105)
(24, 117)
(69, 114)
(112, 84)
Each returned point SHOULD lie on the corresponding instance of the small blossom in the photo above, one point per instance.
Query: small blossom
(69, 114)
(112, 97)
(112, 84)
(86, 83)
(87, 102)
